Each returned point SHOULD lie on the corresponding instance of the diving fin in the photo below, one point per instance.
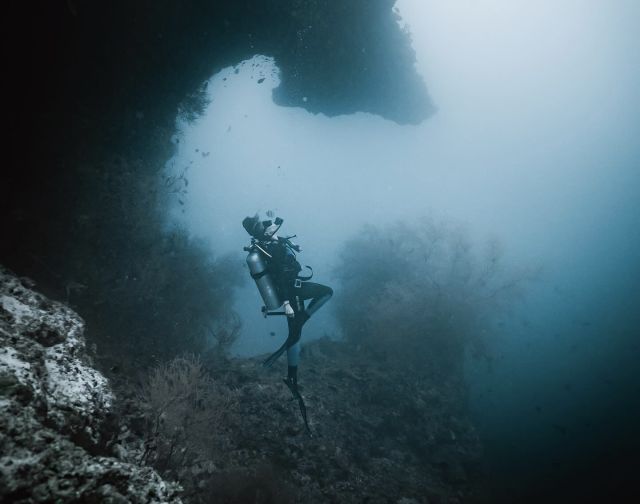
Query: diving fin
(274, 356)
(293, 387)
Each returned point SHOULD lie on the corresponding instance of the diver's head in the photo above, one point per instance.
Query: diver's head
(262, 230)
(271, 228)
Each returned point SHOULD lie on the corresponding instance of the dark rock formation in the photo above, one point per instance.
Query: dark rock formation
(93, 78)
(53, 405)
(95, 88)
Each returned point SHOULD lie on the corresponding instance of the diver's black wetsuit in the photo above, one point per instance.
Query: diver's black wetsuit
(285, 269)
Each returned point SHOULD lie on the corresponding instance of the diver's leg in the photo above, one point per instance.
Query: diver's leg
(293, 357)
(291, 381)
(318, 293)
(295, 331)
(295, 324)
(293, 347)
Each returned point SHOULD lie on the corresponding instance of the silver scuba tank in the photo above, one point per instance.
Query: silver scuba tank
(264, 282)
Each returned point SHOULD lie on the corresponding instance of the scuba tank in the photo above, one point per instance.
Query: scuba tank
(259, 272)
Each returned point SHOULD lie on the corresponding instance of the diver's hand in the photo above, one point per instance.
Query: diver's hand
(288, 310)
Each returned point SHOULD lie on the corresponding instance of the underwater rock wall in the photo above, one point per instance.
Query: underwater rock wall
(94, 90)
(94, 78)
(53, 407)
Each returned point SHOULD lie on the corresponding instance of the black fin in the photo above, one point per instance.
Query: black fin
(274, 356)
(293, 387)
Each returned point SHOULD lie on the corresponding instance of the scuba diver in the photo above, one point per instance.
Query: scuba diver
(273, 265)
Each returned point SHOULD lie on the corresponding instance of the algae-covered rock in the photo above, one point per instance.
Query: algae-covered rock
(52, 407)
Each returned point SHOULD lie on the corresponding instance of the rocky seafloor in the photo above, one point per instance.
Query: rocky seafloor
(67, 434)
(377, 435)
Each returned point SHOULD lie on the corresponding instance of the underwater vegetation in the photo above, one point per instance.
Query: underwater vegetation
(426, 294)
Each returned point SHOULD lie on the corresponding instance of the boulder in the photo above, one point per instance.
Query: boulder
(53, 404)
